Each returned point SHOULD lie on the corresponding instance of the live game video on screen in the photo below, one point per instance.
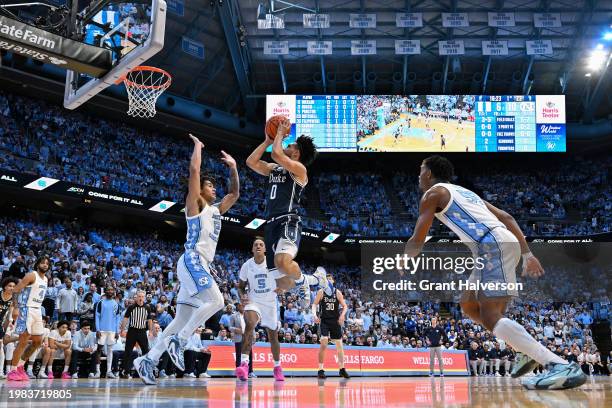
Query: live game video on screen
(426, 123)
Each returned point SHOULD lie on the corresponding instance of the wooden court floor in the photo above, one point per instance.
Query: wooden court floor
(301, 392)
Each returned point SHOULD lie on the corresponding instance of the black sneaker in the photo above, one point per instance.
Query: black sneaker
(321, 374)
(343, 373)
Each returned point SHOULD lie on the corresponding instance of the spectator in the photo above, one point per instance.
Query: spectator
(84, 349)
(67, 301)
(197, 356)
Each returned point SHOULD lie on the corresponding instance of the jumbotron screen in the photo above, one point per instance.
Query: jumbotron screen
(426, 123)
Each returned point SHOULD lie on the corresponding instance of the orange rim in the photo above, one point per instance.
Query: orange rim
(146, 68)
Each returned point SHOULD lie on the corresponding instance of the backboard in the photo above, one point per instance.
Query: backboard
(133, 30)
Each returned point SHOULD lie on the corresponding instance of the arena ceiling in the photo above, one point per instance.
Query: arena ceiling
(236, 72)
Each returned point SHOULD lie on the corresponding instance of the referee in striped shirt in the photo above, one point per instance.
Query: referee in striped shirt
(139, 318)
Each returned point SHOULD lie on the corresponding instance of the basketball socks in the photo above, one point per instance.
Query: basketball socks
(49, 367)
(21, 363)
(109, 359)
(66, 368)
(244, 358)
(516, 335)
(276, 363)
(320, 366)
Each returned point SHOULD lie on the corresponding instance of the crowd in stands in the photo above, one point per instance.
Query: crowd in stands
(88, 260)
(47, 140)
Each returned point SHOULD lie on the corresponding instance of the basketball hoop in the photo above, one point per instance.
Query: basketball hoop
(144, 85)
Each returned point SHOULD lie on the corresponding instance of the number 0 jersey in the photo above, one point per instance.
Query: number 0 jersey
(34, 294)
(284, 193)
(262, 284)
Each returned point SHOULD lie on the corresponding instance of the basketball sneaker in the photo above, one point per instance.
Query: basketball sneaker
(343, 373)
(242, 371)
(321, 374)
(278, 374)
(144, 366)
(558, 377)
(14, 375)
(176, 351)
(303, 290)
(523, 365)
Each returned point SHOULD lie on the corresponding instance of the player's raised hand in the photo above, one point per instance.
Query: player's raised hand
(196, 141)
(228, 160)
(284, 126)
(316, 319)
(532, 267)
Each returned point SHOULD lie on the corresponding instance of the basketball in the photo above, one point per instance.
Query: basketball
(272, 126)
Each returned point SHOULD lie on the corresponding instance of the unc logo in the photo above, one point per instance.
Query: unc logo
(203, 281)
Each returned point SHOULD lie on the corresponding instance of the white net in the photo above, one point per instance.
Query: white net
(144, 85)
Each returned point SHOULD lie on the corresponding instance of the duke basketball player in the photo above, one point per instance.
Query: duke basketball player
(287, 179)
(29, 294)
(495, 235)
(199, 296)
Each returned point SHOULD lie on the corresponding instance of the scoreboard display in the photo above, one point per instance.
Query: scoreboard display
(426, 123)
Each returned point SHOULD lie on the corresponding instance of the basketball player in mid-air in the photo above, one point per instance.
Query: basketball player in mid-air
(287, 179)
(199, 296)
(261, 307)
(28, 296)
(330, 320)
(495, 235)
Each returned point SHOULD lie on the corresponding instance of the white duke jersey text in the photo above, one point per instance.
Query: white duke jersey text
(466, 214)
(203, 232)
(262, 284)
(34, 294)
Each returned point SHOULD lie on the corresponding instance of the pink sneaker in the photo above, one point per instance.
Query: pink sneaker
(22, 373)
(242, 371)
(50, 375)
(66, 376)
(278, 374)
(14, 375)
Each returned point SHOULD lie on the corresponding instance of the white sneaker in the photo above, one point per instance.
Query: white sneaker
(110, 375)
(162, 374)
(190, 375)
(75, 376)
(30, 373)
(205, 375)
(498, 375)
(172, 375)
(2, 376)
(97, 374)
(92, 375)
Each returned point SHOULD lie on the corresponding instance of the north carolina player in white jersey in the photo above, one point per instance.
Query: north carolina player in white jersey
(199, 296)
(261, 307)
(28, 296)
(495, 235)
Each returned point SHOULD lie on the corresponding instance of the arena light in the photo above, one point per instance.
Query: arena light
(597, 58)
(608, 36)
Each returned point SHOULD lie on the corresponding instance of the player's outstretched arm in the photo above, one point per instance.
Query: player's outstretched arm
(234, 192)
(254, 160)
(193, 195)
(531, 264)
(427, 210)
(278, 155)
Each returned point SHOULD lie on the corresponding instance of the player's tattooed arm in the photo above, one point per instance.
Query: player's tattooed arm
(427, 210)
(254, 160)
(234, 193)
(278, 155)
(531, 264)
(242, 285)
(192, 206)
